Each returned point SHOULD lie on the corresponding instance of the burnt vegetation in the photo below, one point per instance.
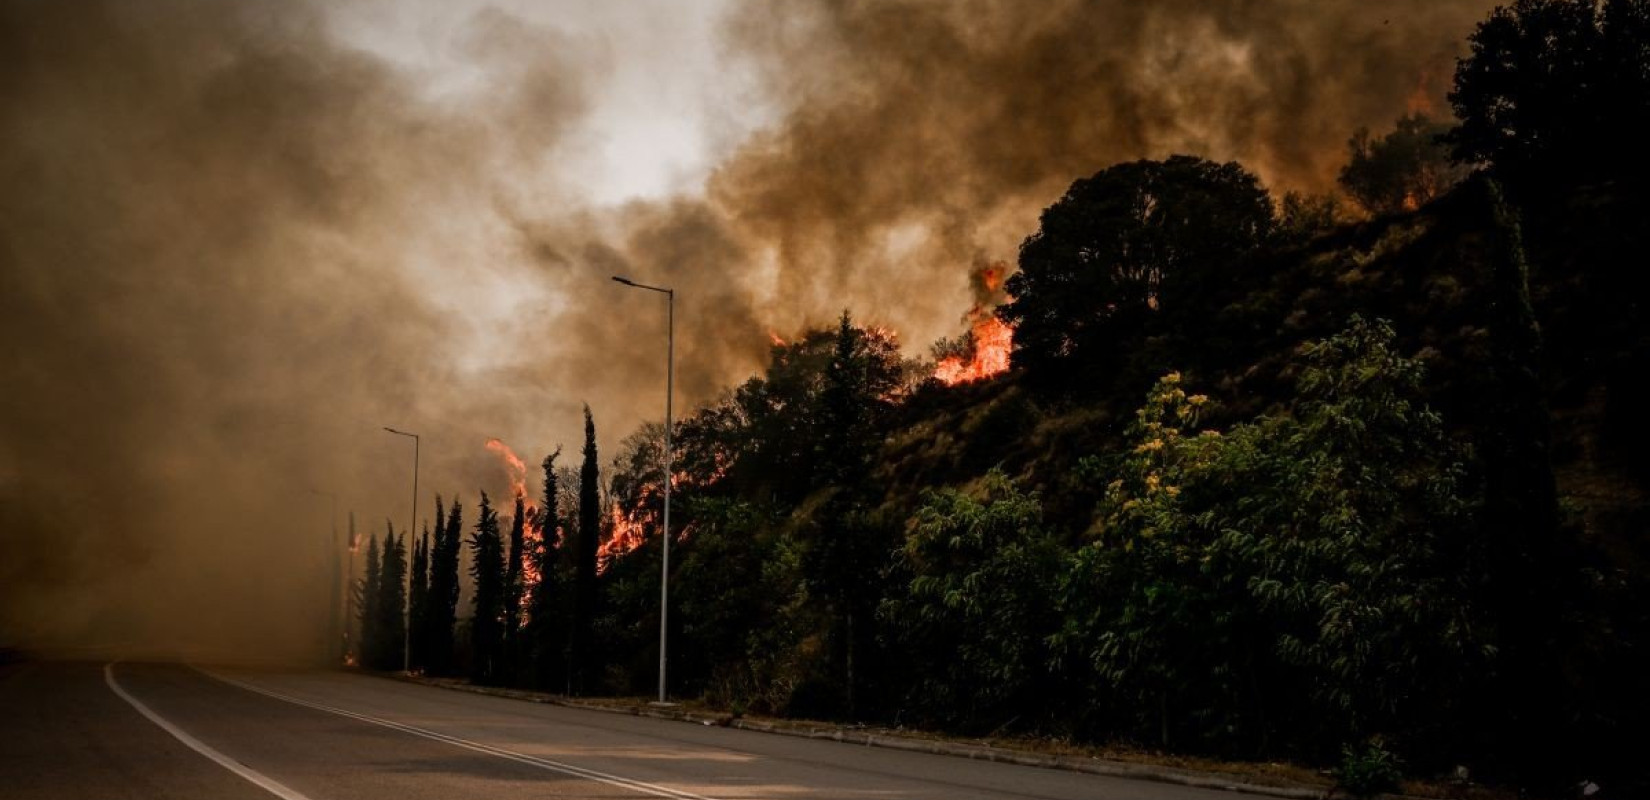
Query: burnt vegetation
(1270, 477)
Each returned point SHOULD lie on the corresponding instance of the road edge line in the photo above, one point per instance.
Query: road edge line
(251, 775)
(572, 770)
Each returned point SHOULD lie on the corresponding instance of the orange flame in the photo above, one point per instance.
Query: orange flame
(628, 534)
(1421, 99)
(993, 339)
(532, 537)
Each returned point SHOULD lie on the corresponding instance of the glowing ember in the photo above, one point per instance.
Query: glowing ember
(532, 537)
(776, 339)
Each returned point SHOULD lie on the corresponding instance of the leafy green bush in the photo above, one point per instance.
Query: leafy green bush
(1368, 771)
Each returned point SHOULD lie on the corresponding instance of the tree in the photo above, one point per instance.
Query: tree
(584, 569)
(545, 628)
(366, 604)
(1402, 170)
(418, 602)
(1124, 248)
(1299, 567)
(441, 603)
(487, 617)
(514, 590)
(1556, 90)
(972, 608)
(392, 601)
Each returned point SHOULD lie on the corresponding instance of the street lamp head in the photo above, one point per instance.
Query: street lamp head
(625, 281)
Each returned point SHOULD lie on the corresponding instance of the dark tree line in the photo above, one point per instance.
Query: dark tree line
(1261, 483)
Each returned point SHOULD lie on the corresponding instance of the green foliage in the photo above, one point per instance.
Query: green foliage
(1229, 571)
(1368, 771)
(1402, 170)
(971, 608)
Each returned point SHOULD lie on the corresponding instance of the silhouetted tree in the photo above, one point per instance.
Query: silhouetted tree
(487, 619)
(441, 603)
(1556, 90)
(1134, 248)
(514, 590)
(584, 568)
(545, 628)
(418, 602)
(392, 600)
(366, 605)
(1402, 170)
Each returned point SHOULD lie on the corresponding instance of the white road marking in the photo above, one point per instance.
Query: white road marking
(535, 761)
(259, 779)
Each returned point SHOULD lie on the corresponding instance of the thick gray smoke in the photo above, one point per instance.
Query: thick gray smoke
(232, 248)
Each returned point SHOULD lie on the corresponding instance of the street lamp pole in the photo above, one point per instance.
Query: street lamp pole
(412, 522)
(670, 393)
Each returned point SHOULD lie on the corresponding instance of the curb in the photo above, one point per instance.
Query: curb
(975, 752)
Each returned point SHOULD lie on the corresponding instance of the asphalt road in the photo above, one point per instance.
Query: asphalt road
(90, 730)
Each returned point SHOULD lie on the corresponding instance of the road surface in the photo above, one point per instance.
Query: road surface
(130, 730)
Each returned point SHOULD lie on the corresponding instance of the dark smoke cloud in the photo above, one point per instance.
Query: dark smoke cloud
(219, 237)
(964, 119)
(232, 248)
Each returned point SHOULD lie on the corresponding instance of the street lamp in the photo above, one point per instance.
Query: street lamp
(670, 386)
(412, 522)
(332, 605)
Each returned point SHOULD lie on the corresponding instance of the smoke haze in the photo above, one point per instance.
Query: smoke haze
(235, 242)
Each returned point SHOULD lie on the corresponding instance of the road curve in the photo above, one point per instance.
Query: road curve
(67, 731)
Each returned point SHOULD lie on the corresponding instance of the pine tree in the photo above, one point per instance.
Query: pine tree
(514, 590)
(543, 629)
(487, 567)
(392, 599)
(366, 604)
(418, 601)
(584, 568)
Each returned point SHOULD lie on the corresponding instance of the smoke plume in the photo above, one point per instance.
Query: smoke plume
(233, 247)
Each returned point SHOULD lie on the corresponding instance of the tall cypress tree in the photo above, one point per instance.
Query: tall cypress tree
(443, 593)
(366, 604)
(486, 623)
(544, 629)
(584, 567)
(418, 601)
(513, 591)
(392, 599)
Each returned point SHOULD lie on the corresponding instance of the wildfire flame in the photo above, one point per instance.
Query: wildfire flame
(532, 537)
(628, 534)
(992, 339)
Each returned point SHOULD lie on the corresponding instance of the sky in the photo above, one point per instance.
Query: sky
(237, 239)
